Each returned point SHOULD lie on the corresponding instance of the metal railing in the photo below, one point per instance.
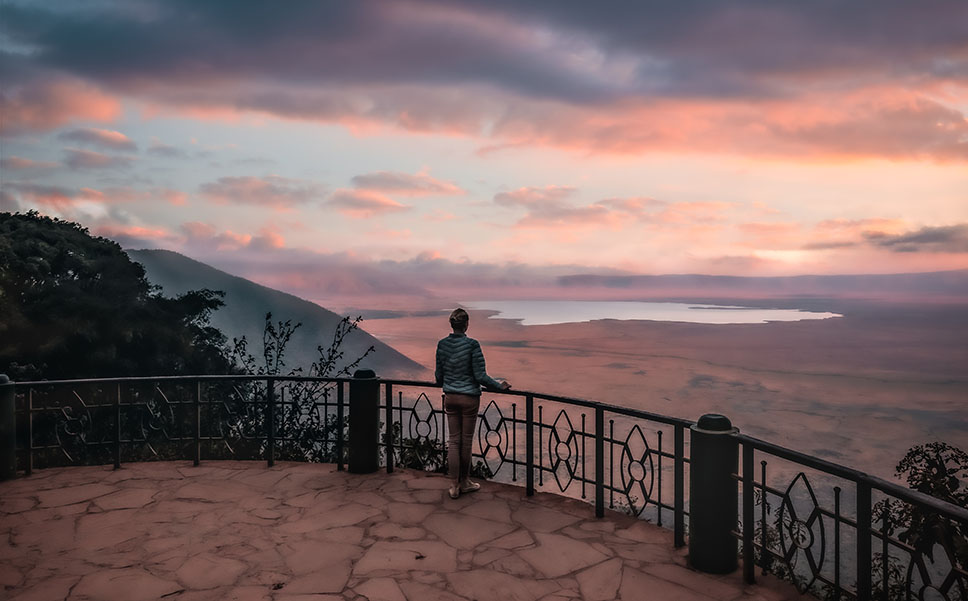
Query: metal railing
(613, 456)
(827, 528)
(812, 521)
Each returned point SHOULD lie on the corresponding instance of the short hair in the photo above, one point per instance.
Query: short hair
(459, 319)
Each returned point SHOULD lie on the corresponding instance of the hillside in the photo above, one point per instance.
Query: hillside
(246, 304)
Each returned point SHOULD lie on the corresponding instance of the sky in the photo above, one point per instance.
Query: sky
(425, 137)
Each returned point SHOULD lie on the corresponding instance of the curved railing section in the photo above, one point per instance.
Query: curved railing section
(817, 523)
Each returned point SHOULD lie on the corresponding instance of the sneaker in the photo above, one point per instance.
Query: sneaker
(469, 486)
(454, 492)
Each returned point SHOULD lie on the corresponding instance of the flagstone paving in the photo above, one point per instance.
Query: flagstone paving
(241, 531)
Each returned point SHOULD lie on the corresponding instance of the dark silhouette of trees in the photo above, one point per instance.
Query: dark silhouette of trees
(73, 305)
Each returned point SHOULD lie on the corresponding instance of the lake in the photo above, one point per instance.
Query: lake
(547, 312)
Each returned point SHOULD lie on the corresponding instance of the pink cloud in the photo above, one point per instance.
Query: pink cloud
(771, 235)
(405, 184)
(845, 233)
(638, 204)
(805, 82)
(173, 197)
(549, 207)
(104, 138)
(42, 105)
(279, 193)
(831, 126)
(439, 216)
(27, 195)
(126, 234)
(361, 204)
(268, 238)
(88, 159)
(198, 230)
(206, 236)
(692, 213)
(41, 195)
(532, 197)
(20, 163)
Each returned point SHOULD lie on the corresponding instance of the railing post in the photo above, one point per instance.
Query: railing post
(364, 447)
(29, 468)
(679, 518)
(748, 529)
(8, 430)
(863, 541)
(339, 426)
(198, 422)
(389, 433)
(270, 421)
(529, 444)
(117, 429)
(885, 557)
(837, 588)
(600, 462)
(712, 495)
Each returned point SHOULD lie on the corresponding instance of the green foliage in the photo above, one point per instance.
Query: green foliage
(940, 470)
(73, 305)
(304, 429)
(428, 454)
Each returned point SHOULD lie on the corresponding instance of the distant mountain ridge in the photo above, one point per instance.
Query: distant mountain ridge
(246, 304)
(938, 283)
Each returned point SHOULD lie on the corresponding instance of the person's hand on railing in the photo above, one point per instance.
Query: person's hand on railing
(505, 385)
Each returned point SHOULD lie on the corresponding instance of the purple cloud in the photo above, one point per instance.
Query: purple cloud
(542, 72)
(20, 163)
(272, 191)
(405, 184)
(103, 138)
(364, 203)
(76, 158)
(949, 238)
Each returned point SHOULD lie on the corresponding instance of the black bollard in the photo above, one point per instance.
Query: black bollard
(364, 449)
(713, 495)
(8, 430)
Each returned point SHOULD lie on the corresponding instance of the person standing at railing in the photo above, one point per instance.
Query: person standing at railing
(460, 370)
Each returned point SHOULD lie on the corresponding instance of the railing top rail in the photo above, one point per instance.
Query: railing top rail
(656, 417)
(673, 421)
(202, 378)
(892, 488)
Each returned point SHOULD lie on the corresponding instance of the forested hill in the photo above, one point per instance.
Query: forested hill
(246, 304)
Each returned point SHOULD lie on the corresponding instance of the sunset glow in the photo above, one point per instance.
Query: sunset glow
(744, 138)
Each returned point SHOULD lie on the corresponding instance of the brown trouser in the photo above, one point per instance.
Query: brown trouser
(461, 410)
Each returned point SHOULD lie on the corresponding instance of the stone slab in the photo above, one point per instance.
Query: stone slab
(408, 555)
(128, 584)
(557, 555)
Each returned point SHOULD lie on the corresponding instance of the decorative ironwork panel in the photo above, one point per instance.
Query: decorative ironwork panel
(940, 580)
(563, 452)
(637, 470)
(493, 437)
(423, 427)
(802, 532)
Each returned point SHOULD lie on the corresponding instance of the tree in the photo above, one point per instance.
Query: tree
(74, 305)
(940, 470)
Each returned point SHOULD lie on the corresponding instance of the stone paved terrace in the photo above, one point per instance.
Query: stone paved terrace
(239, 530)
